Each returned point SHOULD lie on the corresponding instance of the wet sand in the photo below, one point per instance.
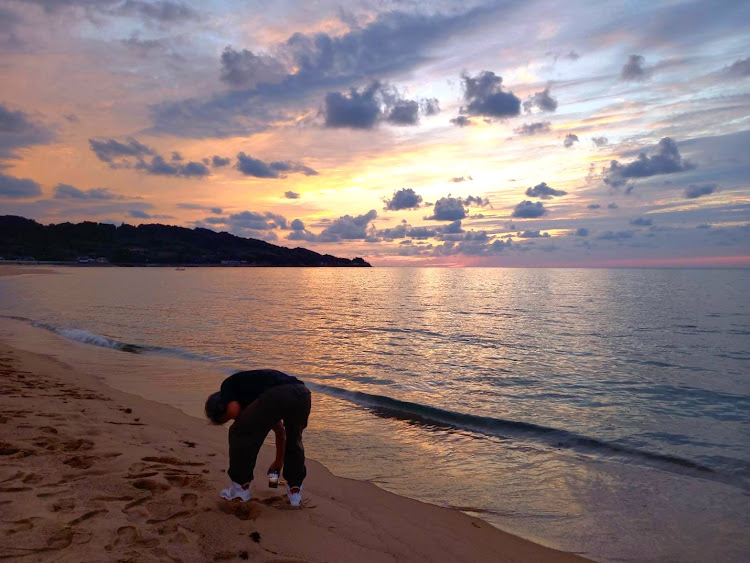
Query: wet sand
(91, 473)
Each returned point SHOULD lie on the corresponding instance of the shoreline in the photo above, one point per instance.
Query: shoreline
(86, 467)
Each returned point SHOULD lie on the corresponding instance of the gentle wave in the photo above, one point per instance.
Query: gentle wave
(558, 438)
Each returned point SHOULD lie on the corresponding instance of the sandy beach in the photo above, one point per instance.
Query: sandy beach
(90, 473)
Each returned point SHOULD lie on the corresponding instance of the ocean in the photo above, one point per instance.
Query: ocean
(599, 411)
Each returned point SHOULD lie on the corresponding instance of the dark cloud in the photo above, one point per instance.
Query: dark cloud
(429, 106)
(291, 195)
(405, 112)
(570, 138)
(543, 101)
(283, 166)
(667, 160)
(533, 234)
(162, 12)
(476, 200)
(347, 228)
(160, 167)
(405, 198)
(197, 207)
(484, 96)
(600, 141)
(250, 166)
(543, 191)
(448, 209)
(619, 235)
(66, 191)
(582, 232)
(459, 179)
(641, 222)
(18, 130)
(256, 221)
(739, 69)
(297, 225)
(528, 129)
(390, 44)
(357, 111)
(461, 121)
(118, 154)
(244, 69)
(219, 161)
(529, 210)
(634, 69)
(594, 206)
(612, 205)
(694, 191)
(11, 187)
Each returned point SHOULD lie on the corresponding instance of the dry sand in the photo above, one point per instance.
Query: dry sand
(18, 270)
(89, 473)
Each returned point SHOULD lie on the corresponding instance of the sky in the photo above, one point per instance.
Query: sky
(450, 133)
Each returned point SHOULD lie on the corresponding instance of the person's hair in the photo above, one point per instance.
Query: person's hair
(216, 408)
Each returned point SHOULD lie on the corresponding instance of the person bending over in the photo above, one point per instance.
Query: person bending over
(258, 401)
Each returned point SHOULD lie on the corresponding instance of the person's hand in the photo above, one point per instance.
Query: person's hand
(275, 467)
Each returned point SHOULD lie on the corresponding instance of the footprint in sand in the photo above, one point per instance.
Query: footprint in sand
(33, 479)
(10, 528)
(150, 485)
(64, 505)
(189, 500)
(128, 536)
(81, 461)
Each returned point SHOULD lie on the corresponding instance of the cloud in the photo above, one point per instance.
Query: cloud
(119, 154)
(160, 167)
(405, 198)
(461, 121)
(484, 96)
(612, 205)
(543, 191)
(454, 208)
(533, 234)
(593, 205)
(529, 210)
(570, 138)
(291, 195)
(600, 141)
(429, 106)
(405, 112)
(11, 187)
(390, 44)
(219, 161)
(163, 11)
(542, 101)
(347, 228)
(582, 232)
(66, 191)
(641, 222)
(198, 207)
(18, 130)
(667, 160)
(459, 179)
(738, 69)
(634, 69)
(250, 166)
(244, 69)
(357, 111)
(694, 191)
(528, 129)
(619, 235)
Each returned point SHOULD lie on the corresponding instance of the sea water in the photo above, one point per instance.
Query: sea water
(603, 412)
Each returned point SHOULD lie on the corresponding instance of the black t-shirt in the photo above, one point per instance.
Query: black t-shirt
(246, 386)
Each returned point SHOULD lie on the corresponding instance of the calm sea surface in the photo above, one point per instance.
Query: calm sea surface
(598, 411)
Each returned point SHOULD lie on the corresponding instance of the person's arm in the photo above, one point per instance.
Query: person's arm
(278, 430)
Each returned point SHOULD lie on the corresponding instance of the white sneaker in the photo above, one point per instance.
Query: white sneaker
(294, 498)
(236, 491)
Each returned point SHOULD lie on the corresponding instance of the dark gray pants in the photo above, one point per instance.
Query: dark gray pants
(289, 403)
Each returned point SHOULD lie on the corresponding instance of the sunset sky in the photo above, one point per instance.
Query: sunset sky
(533, 133)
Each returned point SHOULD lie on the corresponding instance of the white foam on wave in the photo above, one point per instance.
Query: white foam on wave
(87, 337)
